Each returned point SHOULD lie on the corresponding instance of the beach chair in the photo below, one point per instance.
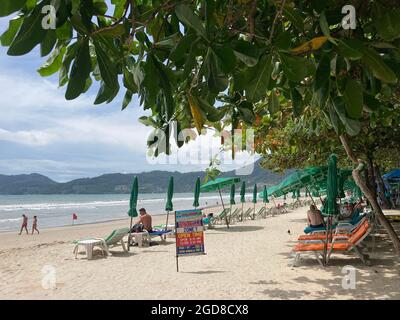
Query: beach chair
(115, 238)
(212, 221)
(144, 237)
(248, 214)
(261, 212)
(341, 229)
(339, 244)
(234, 216)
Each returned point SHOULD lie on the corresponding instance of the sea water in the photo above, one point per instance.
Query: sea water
(57, 210)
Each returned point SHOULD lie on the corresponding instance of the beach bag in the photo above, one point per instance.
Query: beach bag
(137, 228)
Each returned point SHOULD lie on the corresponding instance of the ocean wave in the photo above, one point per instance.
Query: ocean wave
(90, 204)
(10, 220)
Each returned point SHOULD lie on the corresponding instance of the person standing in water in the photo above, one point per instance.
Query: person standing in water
(34, 225)
(24, 224)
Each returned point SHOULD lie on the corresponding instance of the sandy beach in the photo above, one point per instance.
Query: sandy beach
(251, 260)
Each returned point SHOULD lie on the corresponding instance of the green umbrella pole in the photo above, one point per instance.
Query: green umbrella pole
(223, 207)
(254, 212)
(312, 199)
(242, 212)
(130, 235)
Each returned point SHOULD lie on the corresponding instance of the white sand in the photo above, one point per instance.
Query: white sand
(250, 261)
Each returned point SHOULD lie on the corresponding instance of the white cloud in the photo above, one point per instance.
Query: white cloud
(40, 107)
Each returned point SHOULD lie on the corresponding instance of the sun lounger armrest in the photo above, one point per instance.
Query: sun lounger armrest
(344, 223)
(318, 232)
(340, 239)
(312, 241)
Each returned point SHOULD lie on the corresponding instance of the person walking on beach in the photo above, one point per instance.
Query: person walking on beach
(34, 225)
(24, 224)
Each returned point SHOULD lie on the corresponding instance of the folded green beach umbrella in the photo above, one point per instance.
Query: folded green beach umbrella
(242, 197)
(265, 195)
(243, 192)
(232, 196)
(168, 205)
(132, 205)
(332, 186)
(133, 200)
(254, 200)
(196, 193)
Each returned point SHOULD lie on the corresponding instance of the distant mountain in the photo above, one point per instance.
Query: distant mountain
(149, 182)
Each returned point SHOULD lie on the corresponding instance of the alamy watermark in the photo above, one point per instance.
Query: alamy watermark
(48, 277)
(208, 145)
(349, 20)
(350, 277)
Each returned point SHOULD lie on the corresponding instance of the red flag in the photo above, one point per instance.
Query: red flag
(74, 216)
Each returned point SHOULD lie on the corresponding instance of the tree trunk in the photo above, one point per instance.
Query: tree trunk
(382, 188)
(374, 203)
(371, 176)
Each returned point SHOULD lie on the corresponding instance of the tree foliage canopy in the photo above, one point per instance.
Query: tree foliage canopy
(201, 62)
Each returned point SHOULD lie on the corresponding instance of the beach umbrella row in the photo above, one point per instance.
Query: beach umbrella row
(133, 204)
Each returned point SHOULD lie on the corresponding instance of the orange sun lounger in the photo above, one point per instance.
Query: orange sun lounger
(340, 243)
(339, 231)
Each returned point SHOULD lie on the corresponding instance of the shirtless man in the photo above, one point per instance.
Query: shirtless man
(314, 217)
(144, 220)
(24, 224)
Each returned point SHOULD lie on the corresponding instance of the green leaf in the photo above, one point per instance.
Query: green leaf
(350, 49)
(127, 99)
(387, 23)
(321, 82)
(257, 88)
(113, 32)
(106, 94)
(297, 102)
(107, 67)
(182, 47)
(119, 8)
(188, 18)
(48, 43)
(294, 17)
(70, 54)
(30, 34)
(129, 82)
(323, 23)
(65, 31)
(100, 7)
(79, 72)
(353, 127)
(370, 103)
(334, 119)
(379, 68)
(226, 57)
(53, 64)
(13, 26)
(353, 98)
(9, 6)
(296, 68)
(245, 52)
(215, 79)
(273, 103)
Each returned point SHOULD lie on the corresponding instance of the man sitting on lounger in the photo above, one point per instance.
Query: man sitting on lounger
(144, 222)
(314, 217)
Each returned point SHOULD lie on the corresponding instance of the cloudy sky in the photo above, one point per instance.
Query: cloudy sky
(42, 132)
